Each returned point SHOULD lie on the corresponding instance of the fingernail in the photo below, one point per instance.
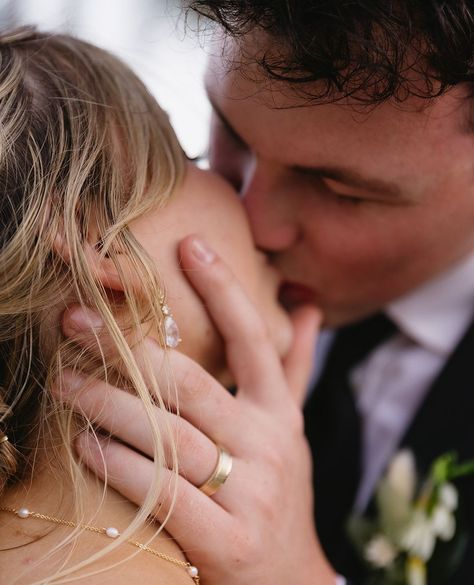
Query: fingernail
(81, 319)
(202, 252)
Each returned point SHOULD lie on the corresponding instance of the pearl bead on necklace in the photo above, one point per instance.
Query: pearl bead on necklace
(111, 532)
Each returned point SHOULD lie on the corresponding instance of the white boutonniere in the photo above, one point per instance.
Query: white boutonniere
(414, 517)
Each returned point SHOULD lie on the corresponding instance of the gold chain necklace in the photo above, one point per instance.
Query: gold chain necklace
(111, 532)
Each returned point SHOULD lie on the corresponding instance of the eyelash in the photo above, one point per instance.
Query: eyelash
(238, 143)
(343, 199)
(231, 135)
(348, 200)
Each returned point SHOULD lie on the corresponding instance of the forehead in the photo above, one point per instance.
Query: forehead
(280, 125)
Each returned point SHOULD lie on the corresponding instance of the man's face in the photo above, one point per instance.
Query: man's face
(355, 206)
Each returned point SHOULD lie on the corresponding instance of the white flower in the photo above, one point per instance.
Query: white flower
(415, 572)
(448, 496)
(380, 552)
(395, 493)
(401, 475)
(444, 524)
(419, 538)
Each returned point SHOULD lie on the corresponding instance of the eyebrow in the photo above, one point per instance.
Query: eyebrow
(347, 176)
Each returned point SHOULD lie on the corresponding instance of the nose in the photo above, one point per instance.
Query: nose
(267, 197)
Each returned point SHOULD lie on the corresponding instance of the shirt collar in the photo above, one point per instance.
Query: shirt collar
(436, 314)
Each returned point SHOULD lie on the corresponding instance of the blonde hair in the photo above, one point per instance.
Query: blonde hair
(81, 139)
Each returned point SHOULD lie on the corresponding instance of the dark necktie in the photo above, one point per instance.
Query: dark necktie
(334, 434)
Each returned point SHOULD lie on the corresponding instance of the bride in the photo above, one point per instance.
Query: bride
(96, 194)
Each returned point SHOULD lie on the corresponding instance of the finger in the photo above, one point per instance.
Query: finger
(124, 415)
(250, 354)
(184, 386)
(87, 329)
(132, 475)
(298, 364)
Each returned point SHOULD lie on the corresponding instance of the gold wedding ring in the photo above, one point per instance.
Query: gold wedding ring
(220, 473)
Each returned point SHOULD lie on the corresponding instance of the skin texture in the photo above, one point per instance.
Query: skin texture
(351, 245)
(262, 427)
(302, 172)
(205, 204)
(24, 542)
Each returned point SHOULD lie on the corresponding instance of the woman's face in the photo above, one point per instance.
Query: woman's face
(207, 206)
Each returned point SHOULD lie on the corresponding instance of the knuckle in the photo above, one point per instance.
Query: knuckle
(189, 444)
(218, 277)
(272, 457)
(260, 332)
(222, 275)
(253, 329)
(183, 438)
(267, 505)
(195, 382)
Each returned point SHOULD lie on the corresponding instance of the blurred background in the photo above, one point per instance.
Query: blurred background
(153, 36)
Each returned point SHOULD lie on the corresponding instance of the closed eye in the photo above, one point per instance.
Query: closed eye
(229, 129)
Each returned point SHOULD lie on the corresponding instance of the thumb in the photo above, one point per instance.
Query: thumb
(298, 364)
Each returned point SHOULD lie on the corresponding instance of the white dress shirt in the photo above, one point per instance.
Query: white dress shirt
(391, 383)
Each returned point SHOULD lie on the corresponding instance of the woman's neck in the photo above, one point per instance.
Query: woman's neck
(53, 492)
(51, 489)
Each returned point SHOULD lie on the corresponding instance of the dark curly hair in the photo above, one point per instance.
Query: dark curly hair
(371, 50)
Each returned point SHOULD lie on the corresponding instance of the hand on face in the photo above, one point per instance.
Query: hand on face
(205, 204)
(258, 527)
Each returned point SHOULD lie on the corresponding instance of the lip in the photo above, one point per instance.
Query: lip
(293, 293)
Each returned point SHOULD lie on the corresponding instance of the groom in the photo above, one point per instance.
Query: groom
(348, 129)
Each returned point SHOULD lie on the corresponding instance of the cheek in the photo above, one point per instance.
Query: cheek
(382, 253)
(358, 250)
(200, 340)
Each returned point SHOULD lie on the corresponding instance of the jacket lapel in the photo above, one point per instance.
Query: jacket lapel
(445, 422)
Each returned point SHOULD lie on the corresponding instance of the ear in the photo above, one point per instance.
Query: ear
(102, 266)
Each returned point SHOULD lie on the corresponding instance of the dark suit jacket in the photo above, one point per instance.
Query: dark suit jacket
(444, 422)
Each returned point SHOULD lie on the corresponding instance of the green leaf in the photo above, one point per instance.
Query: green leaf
(441, 467)
(463, 469)
(447, 468)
